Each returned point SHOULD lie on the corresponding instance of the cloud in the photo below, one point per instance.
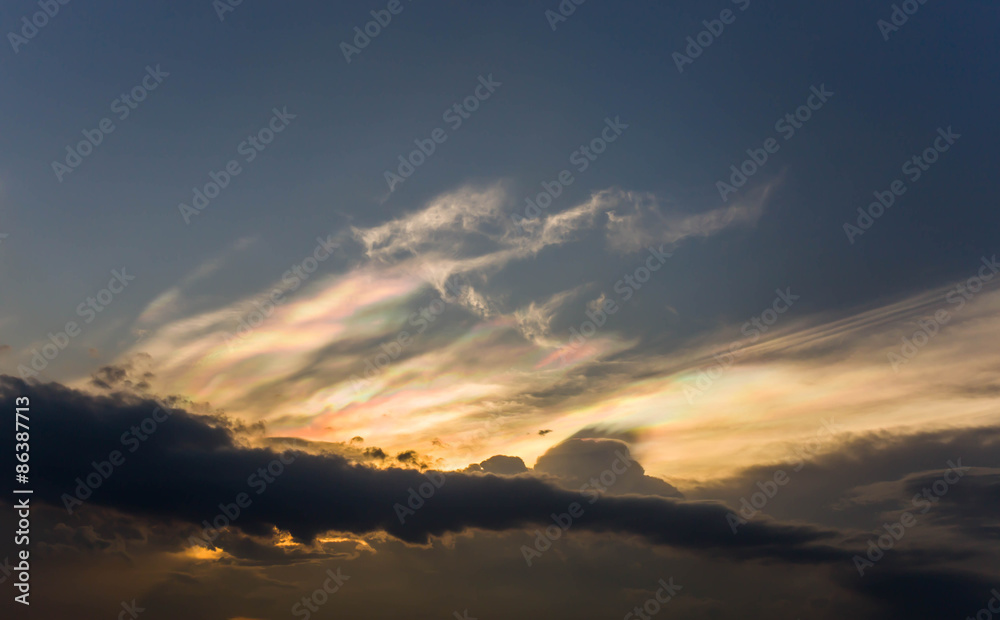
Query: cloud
(191, 463)
(133, 373)
(502, 466)
(310, 366)
(637, 221)
(577, 462)
(175, 300)
(534, 321)
(469, 232)
(494, 354)
(848, 482)
(188, 465)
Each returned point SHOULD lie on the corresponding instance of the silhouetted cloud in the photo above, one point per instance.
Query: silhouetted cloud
(190, 464)
(577, 462)
(186, 465)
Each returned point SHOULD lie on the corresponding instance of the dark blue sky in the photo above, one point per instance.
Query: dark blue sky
(326, 171)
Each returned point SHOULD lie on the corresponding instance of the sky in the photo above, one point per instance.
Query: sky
(651, 260)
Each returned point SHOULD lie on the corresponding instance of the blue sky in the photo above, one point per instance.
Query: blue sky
(348, 123)
(354, 119)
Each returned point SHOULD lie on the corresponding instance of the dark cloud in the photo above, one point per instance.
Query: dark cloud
(108, 377)
(414, 459)
(578, 462)
(129, 374)
(596, 432)
(925, 594)
(189, 465)
(504, 465)
(352, 450)
(861, 482)
(885, 469)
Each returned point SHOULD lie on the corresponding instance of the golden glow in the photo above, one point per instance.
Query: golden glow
(373, 352)
(203, 554)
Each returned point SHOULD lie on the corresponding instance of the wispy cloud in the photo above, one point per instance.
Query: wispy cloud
(638, 220)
